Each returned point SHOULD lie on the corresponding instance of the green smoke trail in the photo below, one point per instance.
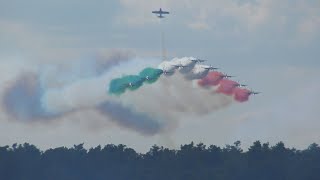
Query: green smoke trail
(133, 82)
(117, 86)
(151, 75)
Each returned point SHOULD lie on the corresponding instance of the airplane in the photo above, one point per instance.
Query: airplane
(227, 76)
(134, 81)
(252, 92)
(160, 13)
(167, 67)
(179, 66)
(168, 72)
(210, 68)
(148, 78)
(198, 60)
(241, 85)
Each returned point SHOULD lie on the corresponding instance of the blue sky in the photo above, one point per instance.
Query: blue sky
(271, 45)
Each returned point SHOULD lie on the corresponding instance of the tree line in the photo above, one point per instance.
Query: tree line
(192, 161)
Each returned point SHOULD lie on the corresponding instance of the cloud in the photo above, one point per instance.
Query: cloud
(201, 22)
(26, 40)
(248, 16)
(308, 28)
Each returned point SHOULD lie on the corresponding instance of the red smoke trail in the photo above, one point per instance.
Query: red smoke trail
(241, 95)
(226, 86)
(212, 79)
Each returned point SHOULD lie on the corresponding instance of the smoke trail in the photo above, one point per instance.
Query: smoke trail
(168, 67)
(241, 95)
(173, 98)
(133, 82)
(105, 61)
(153, 109)
(185, 63)
(150, 75)
(190, 69)
(22, 99)
(91, 93)
(186, 66)
(212, 79)
(117, 86)
(198, 72)
(127, 117)
(227, 86)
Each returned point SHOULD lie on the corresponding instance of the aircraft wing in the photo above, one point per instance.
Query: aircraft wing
(156, 12)
(160, 12)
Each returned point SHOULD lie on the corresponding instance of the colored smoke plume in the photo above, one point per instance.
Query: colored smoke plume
(22, 99)
(150, 75)
(212, 79)
(133, 82)
(53, 92)
(117, 86)
(226, 86)
(198, 72)
(127, 117)
(241, 95)
(174, 97)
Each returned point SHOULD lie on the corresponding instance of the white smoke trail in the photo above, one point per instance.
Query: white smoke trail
(198, 72)
(173, 96)
(152, 109)
(186, 63)
(90, 92)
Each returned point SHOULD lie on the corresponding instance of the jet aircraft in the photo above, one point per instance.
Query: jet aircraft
(198, 60)
(160, 13)
(252, 92)
(209, 68)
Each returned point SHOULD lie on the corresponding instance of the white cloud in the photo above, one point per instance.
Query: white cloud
(309, 28)
(198, 11)
(249, 16)
(41, 46)
(201, 22)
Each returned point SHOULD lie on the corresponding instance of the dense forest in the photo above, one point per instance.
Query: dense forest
(191, 161)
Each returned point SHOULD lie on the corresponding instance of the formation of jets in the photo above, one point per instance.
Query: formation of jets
(193, 69)
(190, 65)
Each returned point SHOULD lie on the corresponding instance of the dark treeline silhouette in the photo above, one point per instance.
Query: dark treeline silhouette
(191, 161)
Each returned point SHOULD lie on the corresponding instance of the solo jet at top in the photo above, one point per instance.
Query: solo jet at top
(160, 13)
